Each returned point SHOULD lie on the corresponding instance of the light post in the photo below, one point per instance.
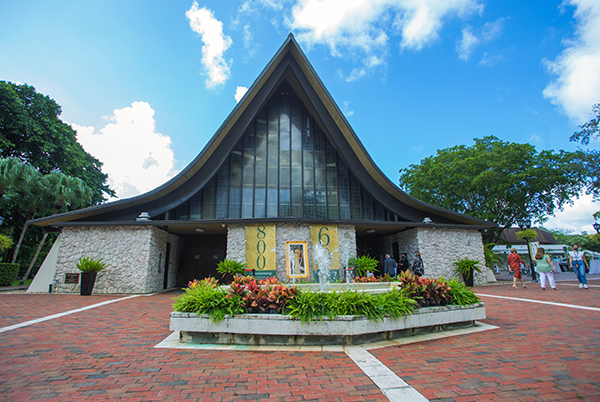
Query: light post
(526, 224)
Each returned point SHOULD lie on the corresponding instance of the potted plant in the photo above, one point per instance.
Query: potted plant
(89, 268)
(231, 268)
(465, 267)
(363, 265)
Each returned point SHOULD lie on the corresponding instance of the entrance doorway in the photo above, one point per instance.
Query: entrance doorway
(203, 254)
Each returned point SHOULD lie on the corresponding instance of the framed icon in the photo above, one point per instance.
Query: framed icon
(297, 259)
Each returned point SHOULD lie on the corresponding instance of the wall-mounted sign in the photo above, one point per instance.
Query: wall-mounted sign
(325, 248)
(260, 247)
(296, 259)
(72, 279)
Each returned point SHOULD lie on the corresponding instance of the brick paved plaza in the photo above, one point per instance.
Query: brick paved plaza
(540, 351)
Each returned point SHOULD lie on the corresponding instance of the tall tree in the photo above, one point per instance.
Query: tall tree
(31, 130)
(62, 191)
(497, 181)
(590, 131)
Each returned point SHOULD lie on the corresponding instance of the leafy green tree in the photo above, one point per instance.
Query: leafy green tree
(30, 130)
(586, 241)
(497, 181)
(591, 159)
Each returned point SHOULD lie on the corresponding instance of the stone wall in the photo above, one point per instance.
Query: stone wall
(236, 244)
(133, 254)
(440, 248)
(291, 231)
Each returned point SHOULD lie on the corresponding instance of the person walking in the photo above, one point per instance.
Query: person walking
(417, 267)
(514, 265)
(403, 265)
(389, 266)
(545, 268)
(579, 264)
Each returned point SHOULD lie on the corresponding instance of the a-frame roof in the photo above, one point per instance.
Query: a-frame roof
(290, 64)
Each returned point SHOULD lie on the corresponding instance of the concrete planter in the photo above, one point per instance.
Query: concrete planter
(266, 329)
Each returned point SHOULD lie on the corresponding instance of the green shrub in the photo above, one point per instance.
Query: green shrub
(86, 264)
(309, 305)
(230, 267)
(205, 298)
(6, 242)
(465, 266)
(363, 264)
(460, 294)
(8, 273)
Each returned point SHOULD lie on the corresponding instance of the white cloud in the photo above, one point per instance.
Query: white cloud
(240, 92)
(577, 69)
(135, 157)
(346, 109)
(467, 44)
(216, 43)
(576, 218)
(470, 40)
(361, 28)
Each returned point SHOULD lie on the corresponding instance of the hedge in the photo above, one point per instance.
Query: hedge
(8, 273)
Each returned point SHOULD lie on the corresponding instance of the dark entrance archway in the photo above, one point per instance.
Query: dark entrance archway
(202, 256)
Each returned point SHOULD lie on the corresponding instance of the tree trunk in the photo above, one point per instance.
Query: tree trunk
(28, 216)
(34, 259)
(18, 246)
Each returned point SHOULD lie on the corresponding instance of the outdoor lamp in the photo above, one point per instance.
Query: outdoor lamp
(596, 225)
(525, 223)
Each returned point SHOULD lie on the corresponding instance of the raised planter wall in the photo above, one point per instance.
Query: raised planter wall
(276, 329)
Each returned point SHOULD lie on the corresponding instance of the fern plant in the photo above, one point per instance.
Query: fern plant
(363, 264)
(230, 267)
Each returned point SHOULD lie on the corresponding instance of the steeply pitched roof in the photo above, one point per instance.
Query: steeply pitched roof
(289, 63)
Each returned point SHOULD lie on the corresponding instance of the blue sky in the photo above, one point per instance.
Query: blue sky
(147, 83)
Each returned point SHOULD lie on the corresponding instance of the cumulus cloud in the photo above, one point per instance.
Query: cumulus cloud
(216, 43)
(240, 92)
(577, 69)
(135, 157)
(576, 218)
(362, 28)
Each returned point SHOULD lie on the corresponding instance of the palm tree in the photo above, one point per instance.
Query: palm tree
(65, 191)
(13, 173)
(30, 195)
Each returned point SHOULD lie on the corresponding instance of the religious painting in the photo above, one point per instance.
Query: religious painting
(297, 259)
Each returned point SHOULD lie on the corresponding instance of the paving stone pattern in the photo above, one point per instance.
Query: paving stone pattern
(540, 352)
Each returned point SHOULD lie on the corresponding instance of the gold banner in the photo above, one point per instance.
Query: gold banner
(260, 247)
(325, 249)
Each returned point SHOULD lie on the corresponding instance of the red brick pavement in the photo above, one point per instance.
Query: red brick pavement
(107, 353)
(539, 353)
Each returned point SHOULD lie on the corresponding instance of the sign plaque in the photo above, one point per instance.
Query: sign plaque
(72, 279)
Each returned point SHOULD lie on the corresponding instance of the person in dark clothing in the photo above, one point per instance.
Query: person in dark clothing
(417, 266)
(389, 266)
(403, 264)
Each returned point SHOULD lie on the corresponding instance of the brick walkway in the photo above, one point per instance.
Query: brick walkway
(540, 352)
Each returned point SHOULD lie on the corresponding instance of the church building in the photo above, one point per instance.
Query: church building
(284, 185)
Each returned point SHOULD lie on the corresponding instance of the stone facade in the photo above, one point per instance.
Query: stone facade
(236, 244)
(135, 257)
(440, 248)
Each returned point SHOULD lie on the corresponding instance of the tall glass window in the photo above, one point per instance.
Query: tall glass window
(283, 166)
